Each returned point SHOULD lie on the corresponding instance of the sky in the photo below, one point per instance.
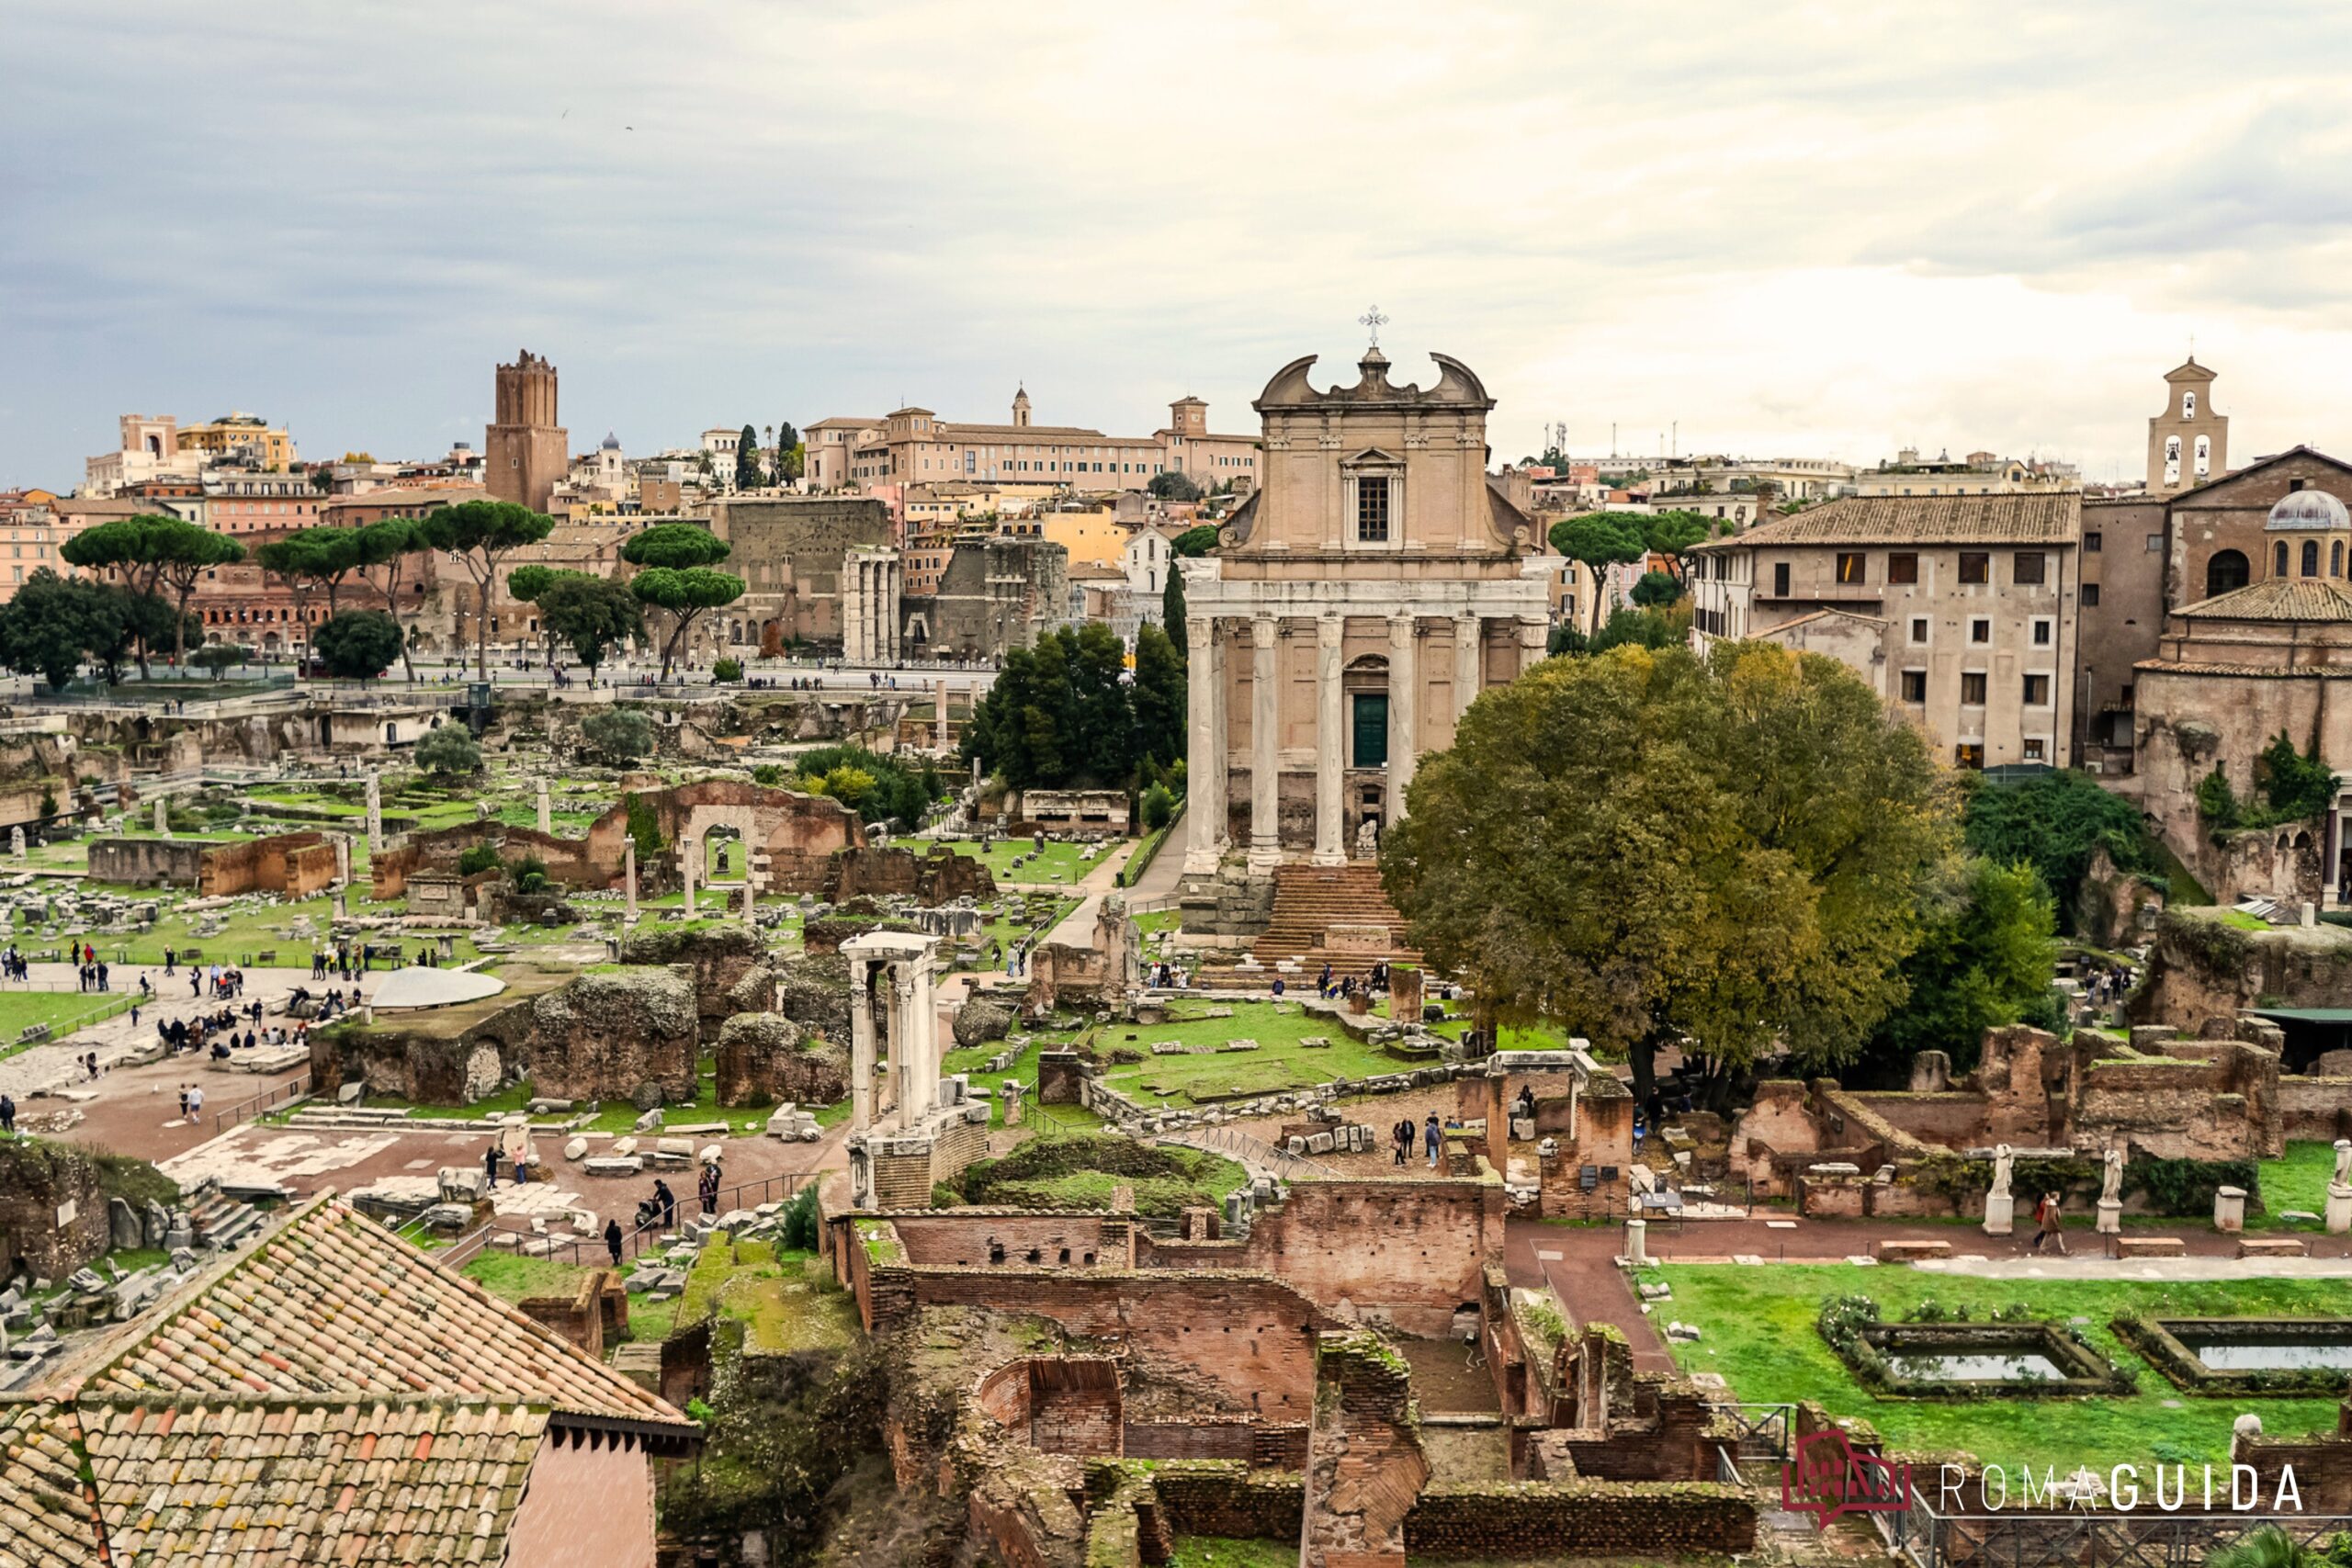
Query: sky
(1826, 230)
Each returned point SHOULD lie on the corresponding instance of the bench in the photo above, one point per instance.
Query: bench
(1912, 1251)
(33, 1031)
(2274, 1246)
(2147, 1246)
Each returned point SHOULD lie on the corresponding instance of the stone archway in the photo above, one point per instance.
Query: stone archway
(741, 822)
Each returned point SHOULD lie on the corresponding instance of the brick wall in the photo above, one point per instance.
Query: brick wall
(1245, 1341)
(148, 863)
(1227, 1500)
(1410, 1252)
(964, 1238)
(1364, 1464)
(2315, 1107)
(1058, 1405)
(52, 1215)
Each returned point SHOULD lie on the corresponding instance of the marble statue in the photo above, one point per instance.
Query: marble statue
(2002, 1162)
(2112, 1192)
(2342, 1177)
(1368, 840)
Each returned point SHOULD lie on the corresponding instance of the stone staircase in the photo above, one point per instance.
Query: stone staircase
(1309, 900)
(221, 1222)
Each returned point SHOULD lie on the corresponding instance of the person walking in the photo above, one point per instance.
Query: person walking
(669, 1201)
(1434, 1136)
(1401, 1136)
(2053, 1227)
(489, 1162)
(613, 1240)
(8, 1115)
(195, 1102)
(706, 1188)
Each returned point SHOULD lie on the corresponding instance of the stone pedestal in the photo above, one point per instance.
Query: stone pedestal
(163, 817)
(2229, 1208)
(628, 881)
(2000, 1213)
(1637, 1242)
(2340, 1209)
(2110, 1216)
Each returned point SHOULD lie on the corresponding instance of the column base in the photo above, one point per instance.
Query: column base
(1203, 862)
(1329, 857)
(1264, 857)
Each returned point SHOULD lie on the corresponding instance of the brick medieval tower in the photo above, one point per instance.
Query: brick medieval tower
(524, 454)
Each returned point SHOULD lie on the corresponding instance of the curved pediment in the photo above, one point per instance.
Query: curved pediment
(1457, 386)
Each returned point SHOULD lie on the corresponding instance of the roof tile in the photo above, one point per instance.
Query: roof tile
(2047, 517)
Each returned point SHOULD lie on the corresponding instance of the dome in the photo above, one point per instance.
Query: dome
(2308, 509)
(612, 442)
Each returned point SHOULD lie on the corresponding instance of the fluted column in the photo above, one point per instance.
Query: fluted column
(861, 1046)
(1265, 749)
(918, 1078)
(1331, 741)
(894, 1043)
(1205, 750)
(1467, 630)
(1533, 633)
(1404, 732)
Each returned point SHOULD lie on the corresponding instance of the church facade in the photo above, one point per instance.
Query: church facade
(1356, 604)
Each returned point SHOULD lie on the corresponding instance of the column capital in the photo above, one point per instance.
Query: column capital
(1200, 631)
(1330, 631)
(1401, 626)
(1262, 631)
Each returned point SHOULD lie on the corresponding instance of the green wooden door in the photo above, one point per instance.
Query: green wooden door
(1371, 730)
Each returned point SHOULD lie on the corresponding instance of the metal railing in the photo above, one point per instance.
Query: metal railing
(260, 1105)
(591, 1252)
(1253, 1155)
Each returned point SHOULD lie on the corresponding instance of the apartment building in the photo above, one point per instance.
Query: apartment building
(1960, 610)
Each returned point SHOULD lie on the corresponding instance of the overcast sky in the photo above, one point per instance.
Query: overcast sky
(1823, 230)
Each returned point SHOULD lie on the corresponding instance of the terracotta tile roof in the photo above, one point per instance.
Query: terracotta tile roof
(2046, 517)
(304, 1482)
(331, 1303)
(2276, 599)
(46, 1518)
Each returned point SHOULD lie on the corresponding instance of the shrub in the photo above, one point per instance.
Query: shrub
(723, 670)
(530, 874)
(769, 773)
(1159, 807)
(477, 860)
(1843, 1318)
(448, 750)
(621, 735)
(800, 1221)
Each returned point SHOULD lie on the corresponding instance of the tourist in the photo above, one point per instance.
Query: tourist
(2052, 1216)
(1278, 985)
(171, 959)
(669, 1201)
(1525, 1105)
(489, 1162)
(1401, 1136)
(102, 977)
(1434, 1136)
(613, 1240)
(183, 1088)
(8, 1115)
(706, 1188)
(195, 1102)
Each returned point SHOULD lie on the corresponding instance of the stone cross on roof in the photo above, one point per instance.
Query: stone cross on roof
(1374, 321)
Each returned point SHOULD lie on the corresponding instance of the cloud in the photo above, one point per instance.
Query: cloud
(1820, 229)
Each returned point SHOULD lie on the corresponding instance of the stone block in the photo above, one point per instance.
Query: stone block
(350, 1094)
(613, 1165)
(2274, 1246)
(575, 1148)
(1894, 1251)
(463, 1184)
(2149, 1246)
(624, 1147)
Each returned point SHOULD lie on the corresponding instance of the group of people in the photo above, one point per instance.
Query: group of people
(1167, 977)
(331, 1003)
(1400, 1137)
(191, 1102)
(340, 964)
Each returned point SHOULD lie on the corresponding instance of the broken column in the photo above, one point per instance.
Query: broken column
(2339, 1190)
(547, 815)
(163, 817)
(375, 814)
(861, 1046)
(628, 881)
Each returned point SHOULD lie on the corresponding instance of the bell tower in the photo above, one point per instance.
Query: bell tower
(1021, 408)
(2188, 443)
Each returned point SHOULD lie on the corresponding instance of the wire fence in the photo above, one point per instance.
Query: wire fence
(262, 1104)
(594, 1252)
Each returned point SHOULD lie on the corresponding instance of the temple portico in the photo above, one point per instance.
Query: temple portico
(1354, 608)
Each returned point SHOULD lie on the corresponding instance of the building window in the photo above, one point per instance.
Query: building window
(2311, 557)
(1903, 567)
(1975, 566)
(1918, 631)
(2037, 691)
(1914, 685)
(2029, 568)
(2188, 406)
(1850, 567)
(2278, 560)
(2090, 595)
(1980, 630)
(2033, 749)
(1372, 512)
(2041, 631)
(2335, 559)
(2091, 542)
(1779, 579)
(2204, 455)
(1968, 754)
(1972, 688)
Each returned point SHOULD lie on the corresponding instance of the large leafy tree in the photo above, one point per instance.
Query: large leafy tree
(791, 457)
(317, 557)
(1063, 711)
(2057, 822)
(1671, 535)
(1649, 848)
(152, 626)
(524, 585)
(878, 788)
(1602, 538)
(385, 549)
(1197, 540)
(482, 534)
(153, 553)
(52, 623)
(1159, 696)
(1986, 955)
(595, 615)
(358, 644)
(677, 558)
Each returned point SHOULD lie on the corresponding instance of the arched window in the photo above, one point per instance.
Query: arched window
(2278, 558)
(2227, 570)
(2311, 557)
(2335, 559)
(2204, 455)
(2187, 405)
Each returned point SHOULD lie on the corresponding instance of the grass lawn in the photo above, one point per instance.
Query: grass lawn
(788, 1301)
(1278, 1062)
(250, 930)
(1158, 921)
(511, 1278)
(1222, 1551)
(1070, 1118)
(1060, 866)
(1756, 1329)
(64, 1011)
(2298, 1182)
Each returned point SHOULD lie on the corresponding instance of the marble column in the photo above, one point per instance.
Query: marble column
(1265, 747)
(1204, 747)
(547, 815)
(923, 1027)
(1404, 695)
(1467, 671)
(1330, 739)
(163, 813)
(688, 854)
(905, 1090)
(939, 731)
(861, 1047)
(628, 882)
(1533, 633)
(375, 814)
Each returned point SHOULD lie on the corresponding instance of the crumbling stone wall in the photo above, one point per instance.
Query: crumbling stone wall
(813, 992)
(1540, 1521)
(1364, 1462)
(938, 877)
(979, 1238)
(2202, 968)
(1101, 972)
(765, 1059)
(52, 1210)
(295, 865)
(416, 1063)
(718, 959)
(618, 1035)
(1058, 1404)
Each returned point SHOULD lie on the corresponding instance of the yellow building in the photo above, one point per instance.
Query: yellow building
(233, 433)
(1090, 537)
